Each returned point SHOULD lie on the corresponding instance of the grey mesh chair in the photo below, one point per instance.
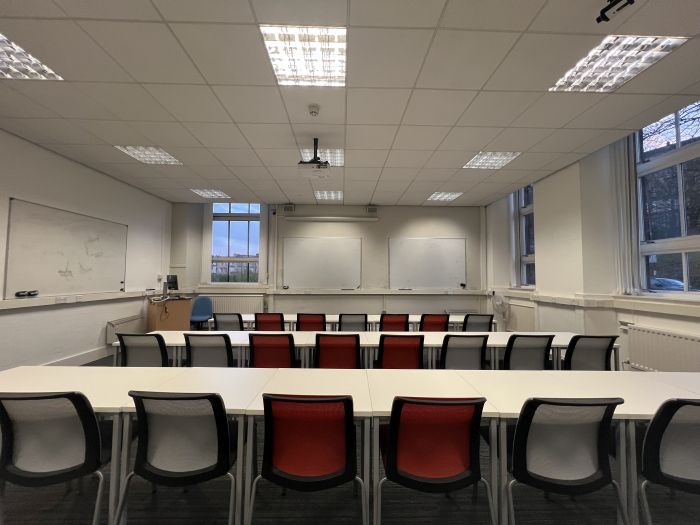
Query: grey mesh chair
(561, 447)
(49, 438)
(528, 352)
(477, 323)
(228, 322)
(182, 439)
(142, 350)
(589, 352)
(670, 455)
(212, 350)
(352, 322)
(464, 352)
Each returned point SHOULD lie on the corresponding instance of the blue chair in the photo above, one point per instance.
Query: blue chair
(201, 311)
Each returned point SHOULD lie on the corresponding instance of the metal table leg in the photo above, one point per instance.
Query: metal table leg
(375, 466)
(125, 459)
(502, 472)
(366, 424)
(632, 496)
(622, 465)
(115, 471)
(494, 459)
(249, 466)
(240, 459)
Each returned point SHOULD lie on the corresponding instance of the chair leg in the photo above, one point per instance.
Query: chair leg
(232, 497)
(249, 513)
(378, 497)
(492, 514)
(511, 506)
(365, 500)
(98, 499)
(122, 498)
(620, 503)
(645, 502)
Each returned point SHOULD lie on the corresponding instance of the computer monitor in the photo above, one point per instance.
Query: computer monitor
(172, 282)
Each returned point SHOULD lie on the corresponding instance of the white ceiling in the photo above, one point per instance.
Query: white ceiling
(429, 84)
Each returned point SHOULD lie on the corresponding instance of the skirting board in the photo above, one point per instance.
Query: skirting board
(82, 358)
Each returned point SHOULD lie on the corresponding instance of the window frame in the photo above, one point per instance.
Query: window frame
(521, 260)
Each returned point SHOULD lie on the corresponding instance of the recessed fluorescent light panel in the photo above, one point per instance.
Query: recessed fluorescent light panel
(444, 196)
(17, 64)
(306, 56)
(491, 160)
(329, 195)
(211, 194)
(617, 59)
(335, 156)
(149, 154)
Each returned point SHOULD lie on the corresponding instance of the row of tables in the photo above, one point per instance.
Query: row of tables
(373, 392)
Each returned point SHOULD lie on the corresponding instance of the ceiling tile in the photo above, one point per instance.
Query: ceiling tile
(213, 135)
(614, 110)
(92, 154)
(13, 104)
(148, 51)
(389, 198)
(579, 17)
(420, 137)
(511, 176)
(670, 17)
(514, 15)
(537, 61)
(464, 59)
(369, 137)
(30, 8)
(62, 98)
(253, 175)
(449, 159)
(126, 101)
(301, 12)
(435, 174)
(554, 110)
(563, 161)
(50, 131)
(602, 138)
(212, 172)
(396, 13)
(377, 106)
(518, 139)
(565, 140)
(252, 104)
(123, 9)
(365, 158)
(532, 161)
(496, 108)
(469, 138)
(279, 157)
(362, 174)
(196, 157)
(413, 198)
(436, 107)
(205, 10)
(269, 135)
(113, 132)
(287, 173)
(385, 57)
(468, 176)
(393, 186)
(166, 133)
(402, 175)
(328, 135)
(189, 102)
(659, 111)
(227, 54)
(236, 157)
(298, 98)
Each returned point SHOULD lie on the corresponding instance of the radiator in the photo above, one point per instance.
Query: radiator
(136, 324)
(660, 350)
(241, 304)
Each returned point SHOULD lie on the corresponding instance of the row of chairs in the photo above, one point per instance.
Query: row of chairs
(462, 352)
(430, 445)
(268, 322)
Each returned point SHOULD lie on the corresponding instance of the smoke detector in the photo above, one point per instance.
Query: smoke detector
(314, 110)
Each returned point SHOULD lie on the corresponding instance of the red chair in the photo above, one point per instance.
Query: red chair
(393, 323)
(337, 351)
(271, 350)
(309, 445)
(269, 322)
(400, 351)
(432, 445)
(311, 322)
(434, 322)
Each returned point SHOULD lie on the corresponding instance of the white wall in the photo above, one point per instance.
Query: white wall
(499, 268)
(185, 250)
(39, 335)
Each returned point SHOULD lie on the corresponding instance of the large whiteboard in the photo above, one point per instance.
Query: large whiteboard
(333, 263)
(427, 263)
(60, 252)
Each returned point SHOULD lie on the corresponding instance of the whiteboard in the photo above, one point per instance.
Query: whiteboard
(59, 252)
(333, 263)
(427, 263)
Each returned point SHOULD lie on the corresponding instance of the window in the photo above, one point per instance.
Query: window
(669, 202)
(235, 242)
(526, 236)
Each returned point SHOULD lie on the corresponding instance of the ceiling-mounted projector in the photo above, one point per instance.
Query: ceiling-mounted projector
(613, 7)
(315, 163)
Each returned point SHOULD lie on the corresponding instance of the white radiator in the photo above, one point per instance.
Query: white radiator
(660, 350)
(241, 304)
(136, 324)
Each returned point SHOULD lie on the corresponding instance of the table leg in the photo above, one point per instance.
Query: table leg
(494, 460)
(375, 466)
(125, 459)
(366, 424)
(115, 356)
(249, 466)
(622, 465)
(502, 472)
(494, 358)
(557, 358)
(632, 496)
(240, 459)
(616, 354)
(115, 470)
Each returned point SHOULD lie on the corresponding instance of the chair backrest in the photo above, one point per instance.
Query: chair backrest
(337, 351)
(228, 322)
(352, 322)
(434, 443)
(393, 323)
(271, 350)
(202, 306)
(182, 438)
(527, 352)
(477, 323)
(400, 351)
(589, 352)
(142, 350)
(311, 322)
(47, 438)
(670, 455)
(269, 322)
(213, 350)
(434, 322)
(562, 445)
(464, 352)
(309, 441)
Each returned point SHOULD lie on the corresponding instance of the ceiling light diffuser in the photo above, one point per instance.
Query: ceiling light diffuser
(306, 56)
(149, 154)
(617, 59)
(335, 156)
(17, 64)
(491, 160)
(445, 196)
(329, 195)
(211, 194)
